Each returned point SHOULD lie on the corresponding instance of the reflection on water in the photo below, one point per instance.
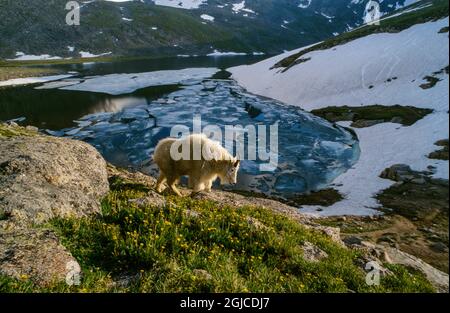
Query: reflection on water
(57, 109)
(150, 65)
(116, 104)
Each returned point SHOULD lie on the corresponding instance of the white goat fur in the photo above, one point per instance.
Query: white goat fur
(218, 163)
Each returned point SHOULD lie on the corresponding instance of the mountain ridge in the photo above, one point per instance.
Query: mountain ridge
(133, 28)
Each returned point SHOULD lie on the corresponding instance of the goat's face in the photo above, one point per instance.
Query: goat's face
(229, 173)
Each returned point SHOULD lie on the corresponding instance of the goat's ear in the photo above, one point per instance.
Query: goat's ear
(236, 163)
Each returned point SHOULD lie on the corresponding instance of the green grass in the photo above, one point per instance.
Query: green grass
(441, 154)
(12, 63)
(406, 114)
(10, 72)
(438, 10)
(9, 132)
(161, 248)
(3, 215)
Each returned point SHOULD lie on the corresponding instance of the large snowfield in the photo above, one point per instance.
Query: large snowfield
(385, 69)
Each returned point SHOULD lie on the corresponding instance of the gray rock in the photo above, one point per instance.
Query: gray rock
(352, 241)
(32, 128)
(333, 232)
(34, 254)
(152, 199)
(191, 214)
(368, 245)
(438, 279)
(404, 173)
(202, 274)
(312, 253)
(12, 124)
(394, 171)
(126, 280)
(42, 177)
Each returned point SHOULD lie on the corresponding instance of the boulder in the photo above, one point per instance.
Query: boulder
(36, 255)
(437, 278)
(152, 199)
(403, 173)
(352, 241)
(381, 254)
(397, 172)
(312, 253)
(42, 177)
(333, 232)
(202, 274)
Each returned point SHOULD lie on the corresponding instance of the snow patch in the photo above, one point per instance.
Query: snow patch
(32, 80)
(85, 54)
(385, 69)
(218, 53)
(20, 56)
(207, 17)
(117, 84)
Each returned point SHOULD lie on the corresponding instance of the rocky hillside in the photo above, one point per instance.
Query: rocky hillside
(71, 223)
(174, 27)
(388, 82)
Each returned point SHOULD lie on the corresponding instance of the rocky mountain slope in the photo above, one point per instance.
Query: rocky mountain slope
(389, 84)
(400, 64)
(141, 241)
(174, 27)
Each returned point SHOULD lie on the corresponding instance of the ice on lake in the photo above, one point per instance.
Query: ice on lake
(312, 152)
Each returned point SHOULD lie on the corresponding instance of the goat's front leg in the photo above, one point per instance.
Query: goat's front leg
(160, 182)
(208, 185)
(172, 182)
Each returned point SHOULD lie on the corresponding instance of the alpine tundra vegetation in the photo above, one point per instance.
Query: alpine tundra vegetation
(360, 191)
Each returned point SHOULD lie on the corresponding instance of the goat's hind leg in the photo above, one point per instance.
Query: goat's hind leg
(160, 182)
(172, 182)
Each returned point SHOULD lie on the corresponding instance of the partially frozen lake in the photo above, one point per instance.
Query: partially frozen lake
(124, 117)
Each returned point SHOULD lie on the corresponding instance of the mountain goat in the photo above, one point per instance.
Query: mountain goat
(198, 157)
